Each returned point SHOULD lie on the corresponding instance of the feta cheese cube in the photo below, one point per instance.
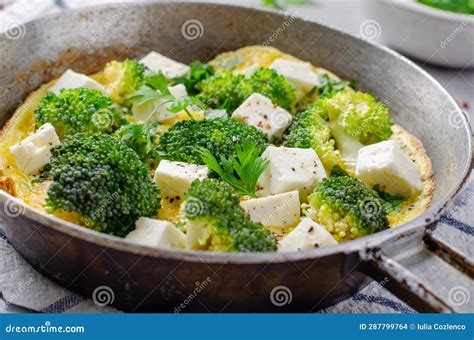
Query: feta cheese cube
(156, 233)
(175, 178)
(259, 111)
(74, 80)
(178, 91)
(170, 68)
(306, 236)
(34, 152)
(301, 74)
(385, 164)
(282, 210)
(290, 169)
(158, 110)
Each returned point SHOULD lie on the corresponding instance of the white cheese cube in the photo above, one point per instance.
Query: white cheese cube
(170, 68)
(259, 111)
(301, 74)
(158, 110)
(74, 80)
(178, 91)
(34, 152)
(306, 236)
(282, 210)
(156, 233)
(175, 178)
(385, 164)
(290, 169)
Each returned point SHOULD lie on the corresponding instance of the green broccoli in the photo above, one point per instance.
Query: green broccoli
(102, 181)
(272, 85)
(347, 208)
(79, 110)
(140, 137)
(216, 222)
(339, 125)
(198, 72)
(356, 119)
(227, 90)
(218, 91)
(123, 78)
(309, 130)
(183, 140)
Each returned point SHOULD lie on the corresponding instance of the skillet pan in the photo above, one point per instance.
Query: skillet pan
(408, 260)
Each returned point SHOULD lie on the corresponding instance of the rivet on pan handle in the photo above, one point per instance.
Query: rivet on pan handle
(431, 276)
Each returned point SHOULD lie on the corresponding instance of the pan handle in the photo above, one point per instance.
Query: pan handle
(428, 274)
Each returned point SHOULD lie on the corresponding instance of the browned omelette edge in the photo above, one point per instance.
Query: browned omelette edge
(415, 150)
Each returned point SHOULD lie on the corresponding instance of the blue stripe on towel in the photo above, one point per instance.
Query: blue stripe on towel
(383, 302)
(465, 228)
(64, 304)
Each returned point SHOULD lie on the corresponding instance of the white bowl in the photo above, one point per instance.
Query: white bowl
(431, 35)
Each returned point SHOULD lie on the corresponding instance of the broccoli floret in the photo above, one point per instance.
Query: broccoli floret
(218, 91)
(346, 121)
(183, 140)
(140, 138)
(227, 90)
(198, 72)
(123, 78)
(79, 110)
(347, 208)
(309, 130)
(272, 85)
(356, 119)
(101, 180)
(217, 222)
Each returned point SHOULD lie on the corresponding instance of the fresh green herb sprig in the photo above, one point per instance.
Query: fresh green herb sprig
(198, 72)
(140, 137)
(329, 87)
(241, 172)
(156, 88)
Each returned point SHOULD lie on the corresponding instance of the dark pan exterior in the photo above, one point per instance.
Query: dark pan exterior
(146, 279)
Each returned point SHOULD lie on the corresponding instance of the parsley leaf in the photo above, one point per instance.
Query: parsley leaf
(329, 87)
(155, 88)
(157, 81)
(241, 172)
(198, 73)
(140, 137)
(146, 94)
